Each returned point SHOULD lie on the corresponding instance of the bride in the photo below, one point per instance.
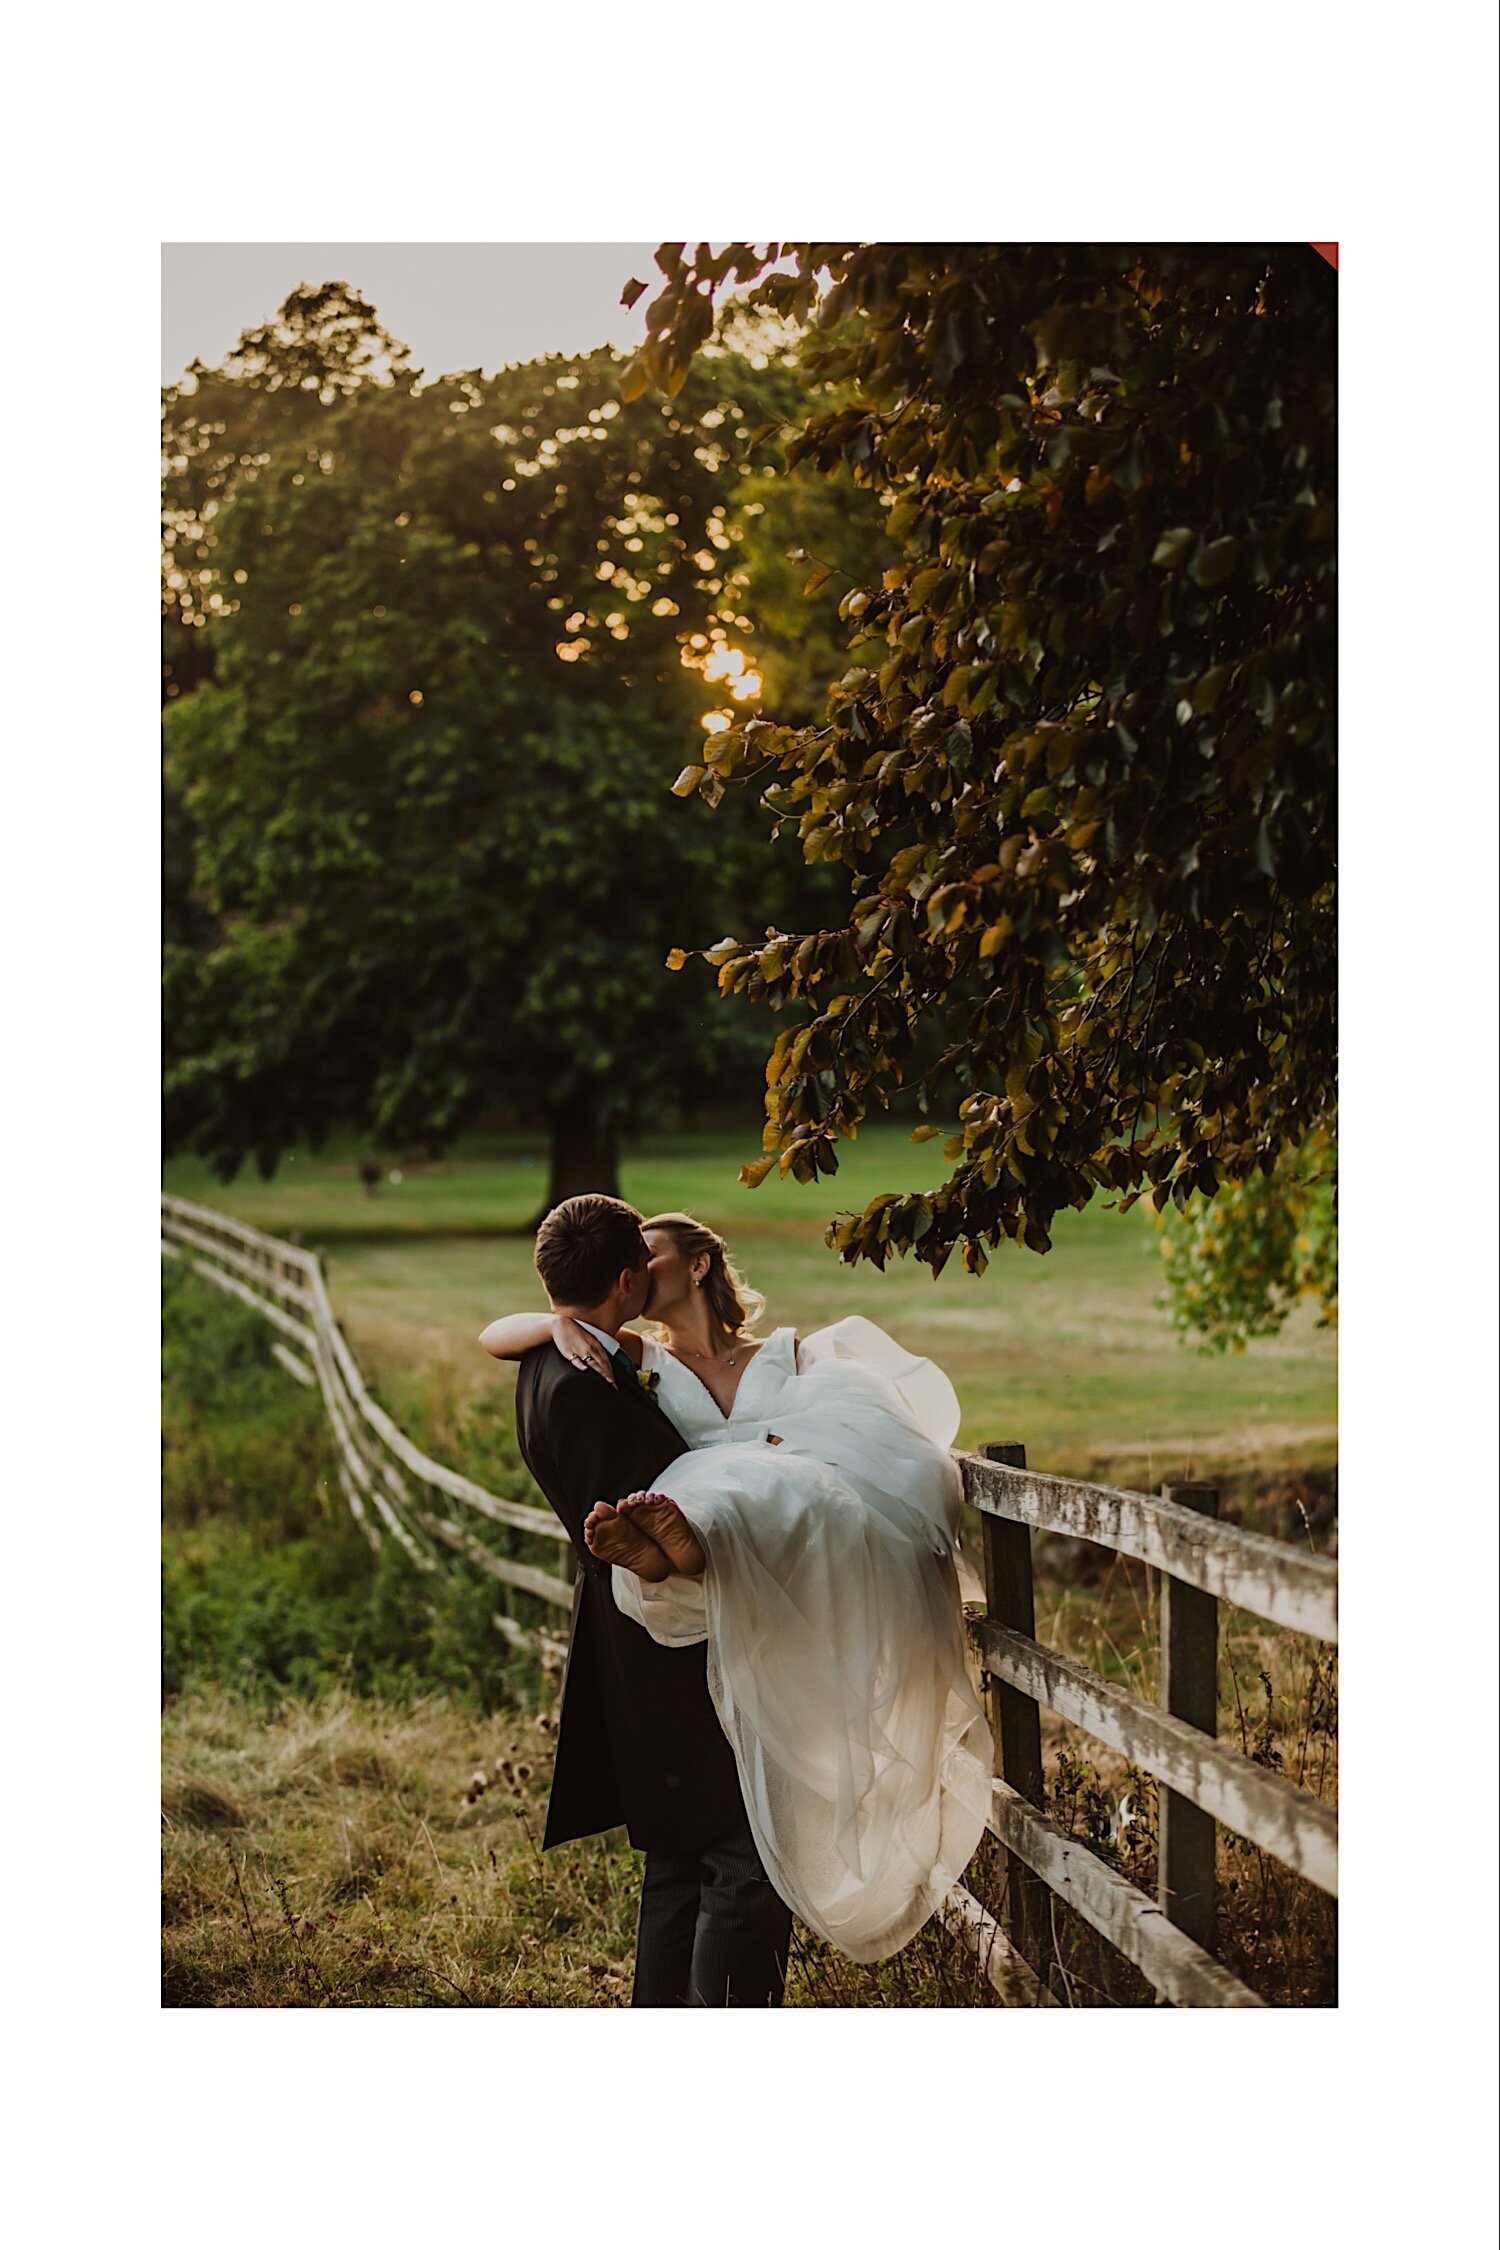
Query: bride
(809, 1537)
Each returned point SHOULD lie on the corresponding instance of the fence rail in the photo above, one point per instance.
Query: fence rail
(1203, 1781)
(1265, 1576)
(393, 1489)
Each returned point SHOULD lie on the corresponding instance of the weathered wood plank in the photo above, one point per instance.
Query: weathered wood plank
(1133, 1923)
(293, 1365)
(211, 1221)
(287, 1322)
(254, 1269)
(1290, 1823)
(1265, 1576)
(357, 1507)
(365, 1473)
(528, 1637)
(521, 1575)
(1007, 1970)
(540, 1523)
(341, 1421)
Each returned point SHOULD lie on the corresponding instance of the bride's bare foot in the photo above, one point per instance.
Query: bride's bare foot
(664, 1522)
(608, 1535)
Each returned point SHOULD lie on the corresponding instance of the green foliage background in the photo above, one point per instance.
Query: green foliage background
(268, 1584)
(1237, 1265)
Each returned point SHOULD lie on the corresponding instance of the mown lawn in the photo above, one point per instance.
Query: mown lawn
(1071, 1353)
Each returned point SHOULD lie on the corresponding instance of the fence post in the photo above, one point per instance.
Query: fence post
(1189, 1690)
(1010, 1600)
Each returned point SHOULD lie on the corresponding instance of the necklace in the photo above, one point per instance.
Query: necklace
(716, 1358)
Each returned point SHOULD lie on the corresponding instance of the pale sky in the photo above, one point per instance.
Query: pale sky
(458, 305)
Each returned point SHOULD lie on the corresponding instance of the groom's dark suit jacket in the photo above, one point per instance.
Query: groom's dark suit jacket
(638, 1739)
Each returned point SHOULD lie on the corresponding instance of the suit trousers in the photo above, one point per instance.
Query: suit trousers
(712, 1932)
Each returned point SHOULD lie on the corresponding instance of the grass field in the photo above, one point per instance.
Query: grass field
(1070, 1353)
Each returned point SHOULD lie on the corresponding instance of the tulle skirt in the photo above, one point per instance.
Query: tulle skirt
(835, 1654)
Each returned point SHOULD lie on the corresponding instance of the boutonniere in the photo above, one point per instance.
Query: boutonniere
(643, 1381)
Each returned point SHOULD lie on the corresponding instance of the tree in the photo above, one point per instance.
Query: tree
(1081, 786)
(1237, 1265)
(220, 426)
(455, 634)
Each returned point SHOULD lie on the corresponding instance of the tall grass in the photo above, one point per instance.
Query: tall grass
(333, 1852)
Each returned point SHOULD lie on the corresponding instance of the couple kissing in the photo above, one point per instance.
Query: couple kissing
(765, 1679)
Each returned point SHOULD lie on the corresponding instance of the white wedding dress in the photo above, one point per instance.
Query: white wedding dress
(831, 1611)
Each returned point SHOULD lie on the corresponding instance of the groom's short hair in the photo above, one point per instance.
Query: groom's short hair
(584, 1245)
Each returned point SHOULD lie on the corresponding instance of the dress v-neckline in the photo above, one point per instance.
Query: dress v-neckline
(739, 1386)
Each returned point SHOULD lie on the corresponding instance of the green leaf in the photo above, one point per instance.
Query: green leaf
(1211, 685)
(1173, 546)
(1215, 563)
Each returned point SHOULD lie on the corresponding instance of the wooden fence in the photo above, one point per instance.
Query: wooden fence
(393, 1488)
(1201, 1781)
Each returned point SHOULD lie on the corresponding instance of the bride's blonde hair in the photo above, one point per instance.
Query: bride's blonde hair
(733, 1303)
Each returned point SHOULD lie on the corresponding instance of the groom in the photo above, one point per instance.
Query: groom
(638, 1738)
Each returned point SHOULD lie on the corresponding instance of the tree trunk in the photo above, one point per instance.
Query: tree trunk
(583, 1159)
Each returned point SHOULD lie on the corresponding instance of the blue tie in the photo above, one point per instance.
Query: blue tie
(625, 1374)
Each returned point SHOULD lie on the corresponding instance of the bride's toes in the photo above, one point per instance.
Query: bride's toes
(614, 1539)
(664, 1522)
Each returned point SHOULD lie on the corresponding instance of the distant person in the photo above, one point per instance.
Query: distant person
(370, 1173)
(805, 1546)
